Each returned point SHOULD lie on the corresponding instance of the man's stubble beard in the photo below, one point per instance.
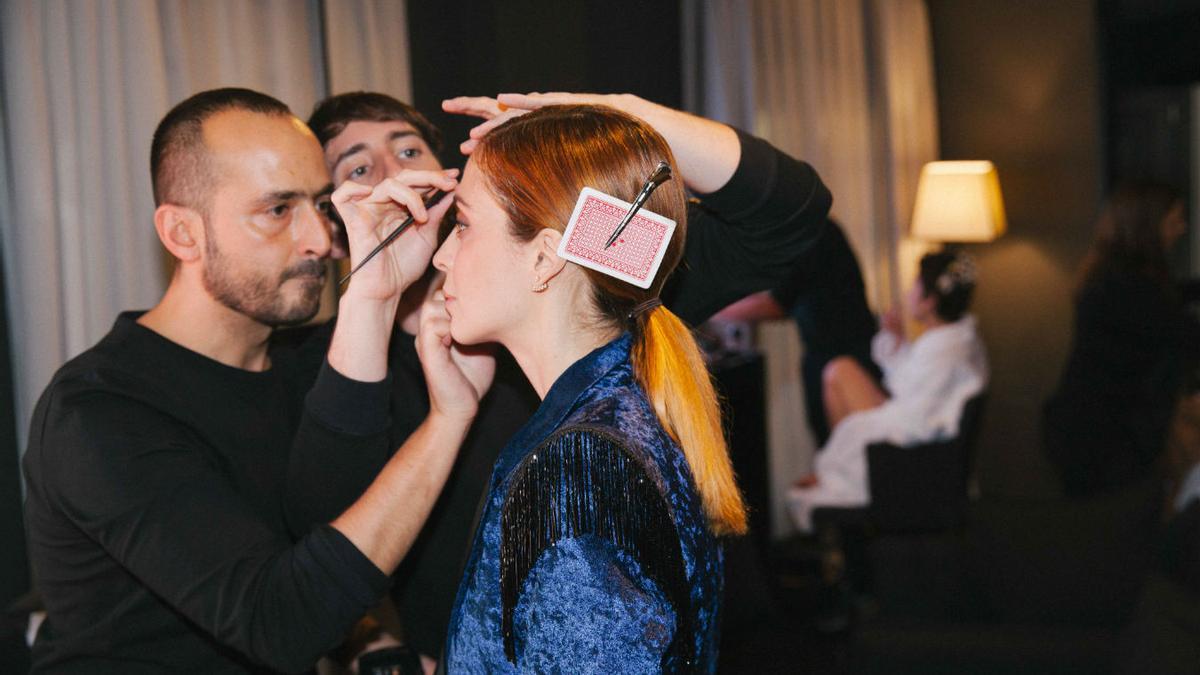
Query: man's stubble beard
(257, 296)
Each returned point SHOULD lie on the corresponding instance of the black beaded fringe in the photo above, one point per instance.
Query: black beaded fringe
(608, 494)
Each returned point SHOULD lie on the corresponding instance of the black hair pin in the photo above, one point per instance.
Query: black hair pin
(660, 175)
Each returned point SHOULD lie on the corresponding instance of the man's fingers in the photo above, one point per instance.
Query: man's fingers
(535, 100)
(392, 191)
(481, 130)
(349, 191)
(445, 179)
(435, 321)
(402, 189)
(531, 101)
(438, 210)
(476, 106)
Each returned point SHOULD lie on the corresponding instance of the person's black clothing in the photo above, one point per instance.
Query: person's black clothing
(427, 579)
(1163, 636)
(826, 297)
(743, 238)
(1179, 555)
(1105, 425)
(157, 522)
(749, 234)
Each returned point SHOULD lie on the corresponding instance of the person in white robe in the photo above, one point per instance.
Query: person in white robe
(926, 383)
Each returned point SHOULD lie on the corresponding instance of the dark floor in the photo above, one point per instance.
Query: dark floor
(781, 618)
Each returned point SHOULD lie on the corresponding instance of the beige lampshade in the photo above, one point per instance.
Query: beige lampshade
(958, 202)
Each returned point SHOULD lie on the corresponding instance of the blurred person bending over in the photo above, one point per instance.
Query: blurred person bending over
(826, 298)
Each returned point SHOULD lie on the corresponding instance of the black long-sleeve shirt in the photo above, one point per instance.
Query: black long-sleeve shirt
(1106, 423)
(745, 237)
(156, 513)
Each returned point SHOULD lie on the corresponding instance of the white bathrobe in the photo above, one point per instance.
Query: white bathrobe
(929, 380)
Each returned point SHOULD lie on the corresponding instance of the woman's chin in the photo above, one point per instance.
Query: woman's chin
(462, 334)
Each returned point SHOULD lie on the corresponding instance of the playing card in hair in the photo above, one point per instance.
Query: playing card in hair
(634, 257)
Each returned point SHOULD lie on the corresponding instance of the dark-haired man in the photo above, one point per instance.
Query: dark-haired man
(161, 533)
(759, 211)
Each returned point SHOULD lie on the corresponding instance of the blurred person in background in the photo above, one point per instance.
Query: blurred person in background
(1105, 426)
(926, 382)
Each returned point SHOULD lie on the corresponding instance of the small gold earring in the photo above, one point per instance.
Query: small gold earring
(541, 287)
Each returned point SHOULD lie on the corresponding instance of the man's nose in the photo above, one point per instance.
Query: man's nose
(391, 165)
(312, 232)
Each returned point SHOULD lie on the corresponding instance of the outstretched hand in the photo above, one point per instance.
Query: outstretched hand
(371, 213)
(458, 376)
(497, 111)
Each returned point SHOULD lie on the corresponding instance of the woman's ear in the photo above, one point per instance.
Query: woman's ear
(181, 231)
(547, 264)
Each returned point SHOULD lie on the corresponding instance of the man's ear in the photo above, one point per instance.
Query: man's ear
(546, 263)
(181, 231)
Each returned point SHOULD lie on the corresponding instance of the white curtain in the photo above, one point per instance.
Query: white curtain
(367, 46)
(85, 82)
(846, 85)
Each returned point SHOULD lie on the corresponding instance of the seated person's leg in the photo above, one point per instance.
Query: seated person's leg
(849, 388)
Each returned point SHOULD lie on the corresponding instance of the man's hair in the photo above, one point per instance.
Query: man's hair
(330, 117)
(949, 277)
(180, 170)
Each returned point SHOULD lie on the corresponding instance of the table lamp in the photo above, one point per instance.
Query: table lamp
(958, 202)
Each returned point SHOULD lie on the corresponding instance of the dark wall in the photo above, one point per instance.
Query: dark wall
(1151, 64)
(477, 47)
(1018, 83)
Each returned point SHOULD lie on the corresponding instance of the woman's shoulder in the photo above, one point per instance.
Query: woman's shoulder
(589, 481)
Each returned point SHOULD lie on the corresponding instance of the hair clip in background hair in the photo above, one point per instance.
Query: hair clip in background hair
(960, 272)
(660, 175)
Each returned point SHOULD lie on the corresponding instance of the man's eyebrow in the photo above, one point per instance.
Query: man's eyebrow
(292, 195)
(281, 196)
(401, 134)
(356, 148)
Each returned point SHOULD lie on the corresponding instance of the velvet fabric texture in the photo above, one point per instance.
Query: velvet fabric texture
(593, 548)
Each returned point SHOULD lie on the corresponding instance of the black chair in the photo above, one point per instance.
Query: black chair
(920, 488)
(914, 524)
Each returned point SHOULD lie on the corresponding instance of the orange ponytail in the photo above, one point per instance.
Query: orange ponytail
(673, 374)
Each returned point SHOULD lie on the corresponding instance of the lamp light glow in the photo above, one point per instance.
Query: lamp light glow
(958, 201)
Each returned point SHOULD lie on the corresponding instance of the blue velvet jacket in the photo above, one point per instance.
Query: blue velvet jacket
(593, 552)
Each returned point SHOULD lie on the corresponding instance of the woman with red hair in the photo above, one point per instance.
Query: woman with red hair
(597, 547)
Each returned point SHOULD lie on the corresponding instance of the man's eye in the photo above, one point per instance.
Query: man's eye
(326, 209)
(409, 153)
(459, 226)
(357, 172)
(279, 210)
